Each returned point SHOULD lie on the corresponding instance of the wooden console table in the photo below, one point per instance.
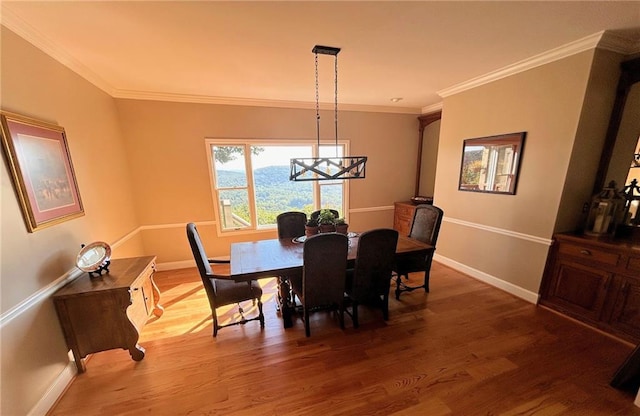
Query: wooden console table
(109, 311)
(596, 281)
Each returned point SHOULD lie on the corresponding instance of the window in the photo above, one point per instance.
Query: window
(251, 186)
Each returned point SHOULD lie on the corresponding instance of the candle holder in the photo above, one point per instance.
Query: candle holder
(606, 212)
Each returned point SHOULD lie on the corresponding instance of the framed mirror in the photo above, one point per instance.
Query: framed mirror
(491, 164)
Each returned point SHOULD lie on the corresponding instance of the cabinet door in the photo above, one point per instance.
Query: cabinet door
(626, 311)
(579, 290)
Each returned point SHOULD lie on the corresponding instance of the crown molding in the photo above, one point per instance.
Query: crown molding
(619, 44)
(603, 40)
(432, 108)
(206, 99)
(14, 23)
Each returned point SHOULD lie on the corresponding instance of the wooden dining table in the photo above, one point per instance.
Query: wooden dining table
(253, 260)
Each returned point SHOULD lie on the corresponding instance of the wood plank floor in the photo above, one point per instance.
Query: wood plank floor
(466, 348)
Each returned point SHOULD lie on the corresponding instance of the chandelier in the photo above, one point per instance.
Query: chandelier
(327, 168)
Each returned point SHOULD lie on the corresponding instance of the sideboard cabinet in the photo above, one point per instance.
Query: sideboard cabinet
(595, 281)
(109, 311)
(403, 216)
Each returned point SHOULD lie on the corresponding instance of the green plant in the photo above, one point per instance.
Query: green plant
(340, 221)
(312, 222)
(326, 217)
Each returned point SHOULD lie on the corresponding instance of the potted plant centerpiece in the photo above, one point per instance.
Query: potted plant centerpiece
(341, 226)
(326, 220)
(311, 227)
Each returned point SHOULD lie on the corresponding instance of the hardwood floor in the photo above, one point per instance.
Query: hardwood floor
(466, 348)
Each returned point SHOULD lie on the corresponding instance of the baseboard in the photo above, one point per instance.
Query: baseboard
(517, 291)
(55, 391)
(173, 265)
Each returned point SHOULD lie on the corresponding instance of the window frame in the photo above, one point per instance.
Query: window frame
(246, 144)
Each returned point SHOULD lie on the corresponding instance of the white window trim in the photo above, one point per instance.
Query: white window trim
(209, 142)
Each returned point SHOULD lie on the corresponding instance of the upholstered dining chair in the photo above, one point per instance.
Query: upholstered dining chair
(291, 224)
(369, 281)
(425, 227)
(323, 275)
(220, 289)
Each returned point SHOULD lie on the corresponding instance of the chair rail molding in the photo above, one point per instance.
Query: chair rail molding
(509, 233)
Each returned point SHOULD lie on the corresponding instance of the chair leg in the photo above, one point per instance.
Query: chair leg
(260, 315)
(354, 311)
(385, 307)
(341, 315)
(215, 324)
(398, 284)
(307, 328)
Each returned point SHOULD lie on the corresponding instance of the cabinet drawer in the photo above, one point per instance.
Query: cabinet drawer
(589, 253)
(405, 211)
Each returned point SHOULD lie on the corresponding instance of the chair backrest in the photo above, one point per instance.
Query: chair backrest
(291, 224)
(374, 263)
(200, 256)
(315, 214)
(324, 269)
(426, 223)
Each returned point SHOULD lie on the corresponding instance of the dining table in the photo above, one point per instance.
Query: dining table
(280, 258)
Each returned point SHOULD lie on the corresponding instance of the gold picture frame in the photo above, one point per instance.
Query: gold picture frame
(39, 162)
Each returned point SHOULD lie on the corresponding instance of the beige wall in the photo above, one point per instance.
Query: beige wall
(33, 349)
(589, 139)
(170, 174)
(545, 102)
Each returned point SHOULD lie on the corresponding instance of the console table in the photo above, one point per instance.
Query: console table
(596, 281)
(109, 311)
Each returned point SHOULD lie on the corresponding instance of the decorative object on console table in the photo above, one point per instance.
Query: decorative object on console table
(605, 213)
(94, 258)
(107, 312)
(595, 280)
(403, 216)
(629, 227)
(40, 165)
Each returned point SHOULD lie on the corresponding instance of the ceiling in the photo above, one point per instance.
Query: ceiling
(259, 53)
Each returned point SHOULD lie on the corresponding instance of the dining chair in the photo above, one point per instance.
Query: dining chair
(323, 275)
(368, 283)
(425, 227)
(291, 224)
(220, 289)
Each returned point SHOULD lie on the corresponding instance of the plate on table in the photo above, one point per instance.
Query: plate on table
(352, 234)
(300, 239)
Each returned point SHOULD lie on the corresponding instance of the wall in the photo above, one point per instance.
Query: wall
(33, 352)
(504, 238)
(166, 143)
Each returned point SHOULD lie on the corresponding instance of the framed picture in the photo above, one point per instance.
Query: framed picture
(39, 162)
(491, 164)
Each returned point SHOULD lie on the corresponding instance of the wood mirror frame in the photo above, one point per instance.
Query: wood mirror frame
(424, 120)
(630, 74)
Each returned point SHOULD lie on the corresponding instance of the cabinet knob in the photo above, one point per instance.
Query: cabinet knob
(585, 252)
